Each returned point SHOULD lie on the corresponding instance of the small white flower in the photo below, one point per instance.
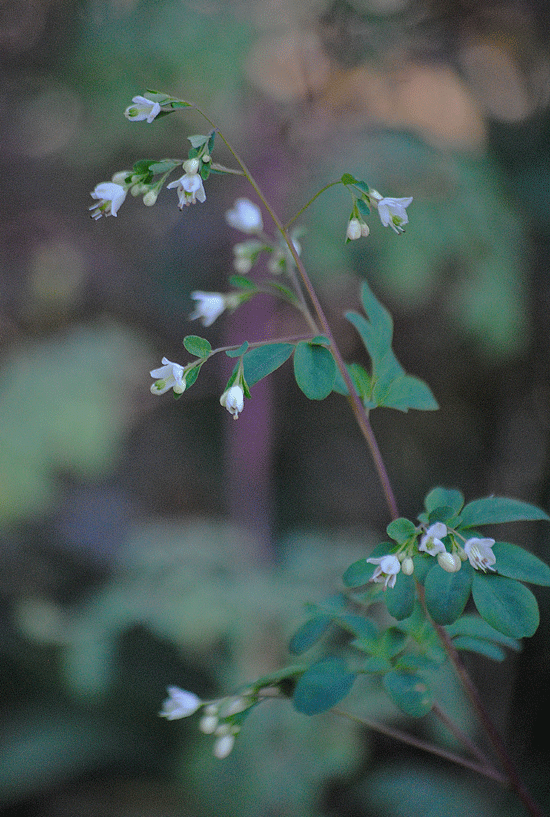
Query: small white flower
(110, 196)
(431, 541)
(387, 569)
(210, 306)
(142, 108)
(223, 746)
(179, 704)
(208, 724)
(233, 400)
(190, 189)
(480, 553)
(245, 216)
(393, 212)
(168, 376)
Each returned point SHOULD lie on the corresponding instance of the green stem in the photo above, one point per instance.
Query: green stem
(312, 199)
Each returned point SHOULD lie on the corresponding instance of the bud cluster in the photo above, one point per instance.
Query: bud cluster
(221, 718)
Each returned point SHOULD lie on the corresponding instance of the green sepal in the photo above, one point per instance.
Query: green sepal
(506, 605)
(516, 563)
(197, 346)
(322, 686)
(447, 593)
(409, 691)
(495, 510)
(401, 597)
(314, 370)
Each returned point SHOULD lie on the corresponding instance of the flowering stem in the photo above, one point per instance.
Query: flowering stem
(312, 199)
(358, 409)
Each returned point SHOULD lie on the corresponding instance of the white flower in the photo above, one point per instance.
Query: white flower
(431, 541)
(245, 216)
(168, 376)
(143, 108)
(179, 704)
(394, 213)
(356, 229)
(110, 196)
(246, 254)
(387, 569)
(190, 188)
(233, 400)
(480, 554)
(210, 306)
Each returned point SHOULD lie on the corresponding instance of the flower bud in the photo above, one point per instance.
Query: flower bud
(191, 166)
(150, 198)
(450, 562)
(407, 566)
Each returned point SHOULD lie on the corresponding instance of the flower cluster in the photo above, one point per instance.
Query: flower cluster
(479, 552)
(392, 211)
(221, 718)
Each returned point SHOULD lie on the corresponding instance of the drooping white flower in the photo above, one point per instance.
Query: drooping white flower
(233, 400)
(223, 746)
(168, 376)
(431, 542)
(110, 196)
(210, 306)
(387, 569)
(142, 108)
(245, 216)
(190, 188)
(480, 553)
(393, 212)
(179, 704)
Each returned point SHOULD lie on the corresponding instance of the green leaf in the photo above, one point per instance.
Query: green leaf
(440, 497)
(506, 605)
(405, 392)
(238, 352)
(409, 692)
(164, 166)
(447, 593)
(347, 178)
(517, 563)
(262, 361)
(476, 627)
(314, 370)
(400, 598)
(359, 626)
(486, 648)
(242, 282)
(197, 346)
(495, 509)
(322, 686)
(401, 530)
(363, 208)
(309, 634)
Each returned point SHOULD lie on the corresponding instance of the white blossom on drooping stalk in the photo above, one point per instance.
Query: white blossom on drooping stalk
(233, 400)
(189, 187)
(179, 704)
(209, 306)
(393, 212)
(245, 216)
(387, 569)
(431, 542)
(109, 198)
(480, 553)
(169, 376)
(142, 108)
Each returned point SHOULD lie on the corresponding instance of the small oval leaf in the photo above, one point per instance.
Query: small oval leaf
(447, 593)
(314, 370)
(322, 686)
(517, 563)
(497, 509)
(197, 346)
(506, 605)
(409, 692)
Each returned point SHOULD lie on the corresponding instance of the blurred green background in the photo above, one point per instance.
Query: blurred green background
(147, 542)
